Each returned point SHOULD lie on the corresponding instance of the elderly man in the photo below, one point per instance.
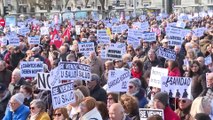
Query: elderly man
(152, 61)
(96, 91)
(209, 90)
(16, 110)
(116, 112)
(16, 82)
(5, 74)
(36, 54)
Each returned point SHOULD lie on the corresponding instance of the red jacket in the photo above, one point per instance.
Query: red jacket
(175, 72)
(169, 114)
(2, 22)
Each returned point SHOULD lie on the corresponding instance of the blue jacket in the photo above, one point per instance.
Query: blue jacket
(21, 113)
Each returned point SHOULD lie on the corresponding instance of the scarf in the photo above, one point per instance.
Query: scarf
(136, 74)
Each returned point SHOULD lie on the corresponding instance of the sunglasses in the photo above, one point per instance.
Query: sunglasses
(109, 98)
(59, 114)
(130, 87)
(32, 108)
(183, 101)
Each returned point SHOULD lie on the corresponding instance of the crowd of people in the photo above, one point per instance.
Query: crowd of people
(20, 98)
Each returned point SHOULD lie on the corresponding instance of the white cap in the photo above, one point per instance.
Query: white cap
(19, 97)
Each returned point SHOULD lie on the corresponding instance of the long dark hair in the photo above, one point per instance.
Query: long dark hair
(191, 73)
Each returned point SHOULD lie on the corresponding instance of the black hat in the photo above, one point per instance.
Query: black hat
(163, 97)
(2, 88)
(16, 48)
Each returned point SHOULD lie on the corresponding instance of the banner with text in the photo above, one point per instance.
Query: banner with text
(168, 54)
(149, 37)
(155, 76)
(34, 40)
(86, 48)
(144, 113)
(177, 87)
(31, 68)
(118, 80)
(62, 95)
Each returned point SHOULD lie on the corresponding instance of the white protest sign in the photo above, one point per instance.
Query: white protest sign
(173, 24)
(103, 40)
(185, 32)
(86, 48)
(199, 31)
(14, 41)
(62, 95)
(143, 17)
(101, 33)
(44, 31)
(114, 52)
(118, 80)
(136, 25)
(21, 24)
(135, 42)
(144, 113)
(43, 81)
(149, 37)
(135, 33)
(177, 87)
(23, 31)
(68, 70)
(84, 72)
(183, 17)
(34, 40)
(145, 26)
(168, 54)
(4, 40)
(31, 68)
(155, 76)
(181, 24)
(208, 60)
(116, 29)
(174, 35)
(103, 54)
(55, 77)
(124, 27)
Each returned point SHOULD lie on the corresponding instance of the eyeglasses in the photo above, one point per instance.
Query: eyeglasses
(32, 108)
(109, 98)
(129, 50)
(130, 87)
(58, 114)
(12, 103)
(183, 101)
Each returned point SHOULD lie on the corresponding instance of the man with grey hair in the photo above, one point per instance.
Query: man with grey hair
(16, 82)
(16, 110)
(96, 91)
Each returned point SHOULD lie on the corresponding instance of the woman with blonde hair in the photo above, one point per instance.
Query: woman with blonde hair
(200, 105)
(74, 108)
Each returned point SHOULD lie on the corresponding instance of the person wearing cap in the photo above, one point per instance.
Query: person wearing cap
(16, 56)
(135, 90)
(5, 74)
(161, 101)
(4, 99)
(165, 43)
(36, 54)
(16, 109)
(96, 91)
(184, 107)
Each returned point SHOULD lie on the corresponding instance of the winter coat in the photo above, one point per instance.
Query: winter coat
(92, 115)
(149, 64)
(169, 114)
(15, 59)
(5, 77)
(184, 114)
(141, 98)
(3, 103)
(99, 94)
(21, 113)
(175, 72)
(96, 66)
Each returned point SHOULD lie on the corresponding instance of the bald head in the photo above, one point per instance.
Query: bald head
(210, 80)
(116, 111)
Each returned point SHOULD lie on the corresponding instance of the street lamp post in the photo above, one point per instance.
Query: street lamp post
(134, 4)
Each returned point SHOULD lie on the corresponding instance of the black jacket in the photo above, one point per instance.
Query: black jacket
(99, 93)
(3, 103)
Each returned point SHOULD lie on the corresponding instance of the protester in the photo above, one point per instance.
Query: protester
(88, 109)
(161, 102)
(5, 74)
(116, 112)
(61, 114)
(5, 97)
(111, 98)
(16, 109)
(37, 110)
(27, 91)
(96, 91)
(102, 108)
(184, 107)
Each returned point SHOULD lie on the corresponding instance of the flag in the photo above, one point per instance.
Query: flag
(55, 39)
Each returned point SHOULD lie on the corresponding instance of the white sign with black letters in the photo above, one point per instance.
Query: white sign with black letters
(31, 68)
(62, 95)
(144, 113)
(149, 37)
(68, 70)
(84, 72)
(168, 54)
(155, 76)
(177, 87)
(118, 80)
(43, 81)
(86, 48)
(34, 40)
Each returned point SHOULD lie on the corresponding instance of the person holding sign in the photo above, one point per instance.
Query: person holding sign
(161, 102)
